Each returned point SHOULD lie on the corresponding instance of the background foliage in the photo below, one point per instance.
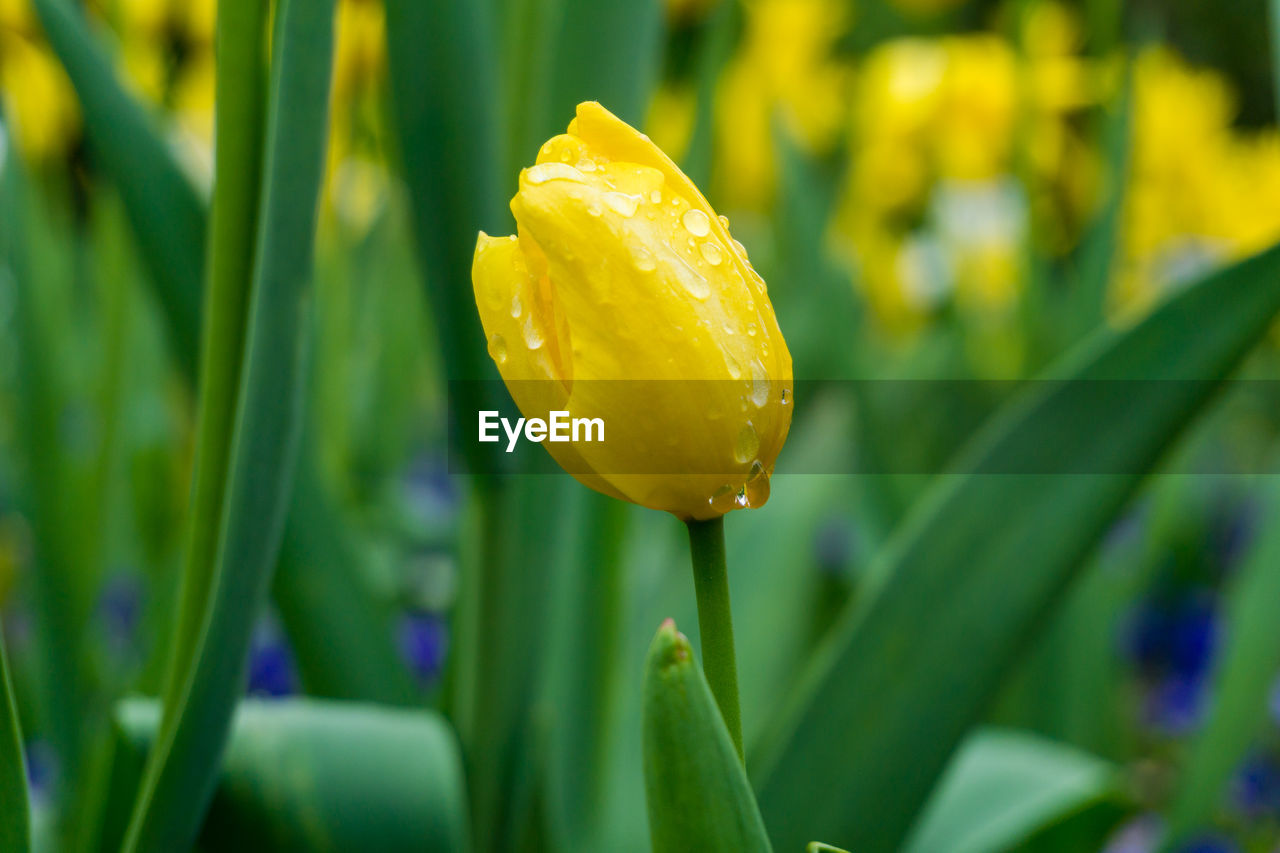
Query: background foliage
(225, 464)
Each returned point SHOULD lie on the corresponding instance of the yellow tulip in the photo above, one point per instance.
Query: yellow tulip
(620, 270)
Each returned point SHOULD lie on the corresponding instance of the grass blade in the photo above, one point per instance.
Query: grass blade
(314, 775)
(1003, 787)
(241, 96)
(697, 791)
(15, 816)
(907, 670)
(182, 770)
(1241, 683)
(165, 212)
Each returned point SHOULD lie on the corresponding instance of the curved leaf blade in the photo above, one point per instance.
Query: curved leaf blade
(182, 770)
(696, 788)
(889, 695)
(319, 775)
(1003, 787)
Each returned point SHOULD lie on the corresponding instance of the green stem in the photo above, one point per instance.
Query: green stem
(715, 621)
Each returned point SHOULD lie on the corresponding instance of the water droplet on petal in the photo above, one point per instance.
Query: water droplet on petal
(728, 330)
(544, 172)
(759, 387)
(757, 487)
(747, 445)
(497, 349)
(644, 261)
(594, 209)
(786, 397)
(695, 284)
(711, 252)
(532, 334)
(696, 221)
(751, 330)
(586, 165)
(517, 308)
(724, 220)
(739, 248)
(622, 204)
(735, 369)
(655, 197)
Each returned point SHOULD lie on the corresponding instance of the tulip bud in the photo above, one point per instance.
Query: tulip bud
(622, 296)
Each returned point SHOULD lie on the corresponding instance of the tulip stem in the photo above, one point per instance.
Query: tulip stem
(715, 621)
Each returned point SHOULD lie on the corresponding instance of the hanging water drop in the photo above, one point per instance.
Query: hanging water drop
(497, 349)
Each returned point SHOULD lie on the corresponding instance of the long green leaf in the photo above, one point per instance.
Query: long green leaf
(241, 96)
(15, 817)
(316, 775)
(1241, 682)
(698, 794)
(908, 669)
(182, 770)
(1002, 787)
(165, 213)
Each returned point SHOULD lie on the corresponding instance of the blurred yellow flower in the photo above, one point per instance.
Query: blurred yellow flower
(620, 270)
(955, 143)
(39, 104)
(1200, 193)
(786, 71)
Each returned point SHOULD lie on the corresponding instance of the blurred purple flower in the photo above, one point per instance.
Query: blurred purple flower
(1209, 844)
(1175, 705)
(120, 610)
(1175, 636)
(272, 671)
(424, 640)
(42, 770)
(1256, 786)
(834, 545)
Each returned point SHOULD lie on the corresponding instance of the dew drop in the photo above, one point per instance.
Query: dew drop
(594, 209)
(751, 330)
(544, 172)
(724, 220)
(739, 248)
(497, 349)
(728, 330)
(623, 204)
(711, 252)
(786, 397)
(757, 487)
(586, 165)
(747, 444)
(655, 197)
(517, 307)
(735, 369)
(759, 389)
(696, 222)
(644, 261)
(532, 334)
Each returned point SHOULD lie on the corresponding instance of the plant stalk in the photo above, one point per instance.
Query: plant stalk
(715, 621)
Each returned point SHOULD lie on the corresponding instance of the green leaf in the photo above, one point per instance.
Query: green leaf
(166, 215)
(607, 51)
(1242, 680)
(1002, 787)
(698, 794)
(168, 222)
(968, 577)
(315, 775)
(15, 815)
(182, 770)
(241, 85)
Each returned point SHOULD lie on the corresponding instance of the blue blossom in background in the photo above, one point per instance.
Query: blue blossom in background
(120, 613)
(272, 671)
(1256, 786)
(1172, 639)
(424, 640)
